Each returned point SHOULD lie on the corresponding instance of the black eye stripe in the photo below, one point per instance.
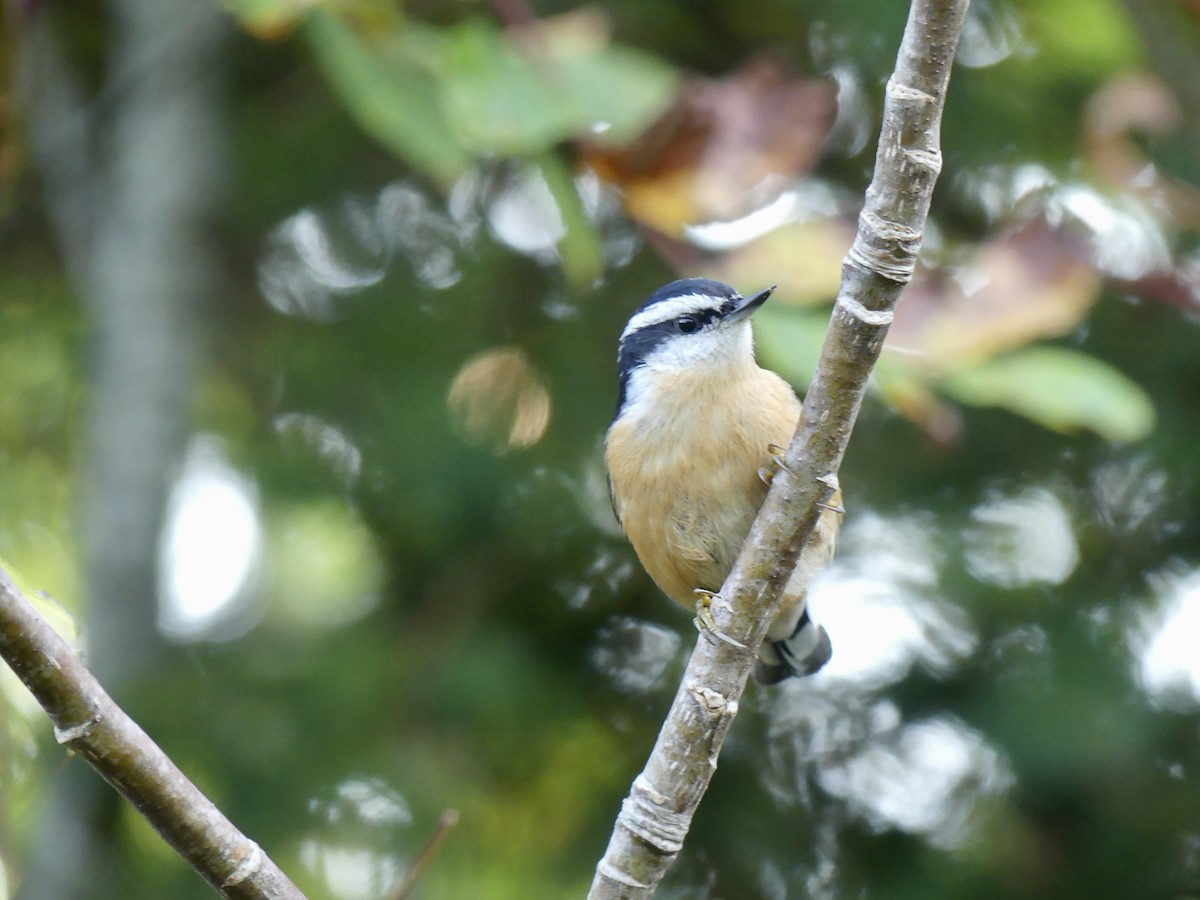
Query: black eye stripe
(645, 331)
(697, 320)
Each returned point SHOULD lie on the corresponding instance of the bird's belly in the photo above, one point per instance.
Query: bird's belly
(690, 541)
(687, 505)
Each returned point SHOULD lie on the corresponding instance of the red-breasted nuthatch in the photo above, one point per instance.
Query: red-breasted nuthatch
(698, 431)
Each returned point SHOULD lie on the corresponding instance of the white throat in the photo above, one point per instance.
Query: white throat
(721, 354)
(732, 345)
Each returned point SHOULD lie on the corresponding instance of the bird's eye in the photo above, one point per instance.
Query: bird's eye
(687, 324)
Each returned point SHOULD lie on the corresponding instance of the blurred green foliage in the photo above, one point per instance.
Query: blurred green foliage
(1060, 390)
(430, 622)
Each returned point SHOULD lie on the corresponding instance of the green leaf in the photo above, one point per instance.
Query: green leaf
(1060, 389)
(1106, 45)
(619, 87)
(443, 97)
(789, 340)
(54, 613)
(389, 93)
(502, 98)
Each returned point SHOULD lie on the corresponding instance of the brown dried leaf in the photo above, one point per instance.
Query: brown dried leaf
(1033, 283)
(804, 259)
(1126, 106)
(724, 147)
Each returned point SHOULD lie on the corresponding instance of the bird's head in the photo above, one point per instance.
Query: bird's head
(691, 325)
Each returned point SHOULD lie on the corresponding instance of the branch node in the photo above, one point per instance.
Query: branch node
(831, 480)
(651, 793)
(888, 249)
(612, 873)
(75, 732)
(713, 703)
(926, 159)
(902, 93)
(878, 317)
(892, 232)
(247, 867)
(645, 815)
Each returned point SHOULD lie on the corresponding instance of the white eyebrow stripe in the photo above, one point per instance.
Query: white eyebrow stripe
(665, 310)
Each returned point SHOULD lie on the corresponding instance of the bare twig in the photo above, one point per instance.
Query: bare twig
(445, 824)
(655, 817)
(88, 721)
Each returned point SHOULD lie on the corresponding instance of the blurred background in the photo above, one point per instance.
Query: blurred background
(308, 316)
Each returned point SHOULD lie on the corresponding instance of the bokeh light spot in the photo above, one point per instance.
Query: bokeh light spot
(498, 400)
(211, 545)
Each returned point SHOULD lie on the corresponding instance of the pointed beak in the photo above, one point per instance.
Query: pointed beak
(741, 309)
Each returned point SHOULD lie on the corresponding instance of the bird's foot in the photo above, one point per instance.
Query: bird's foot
(831, 482)
(704, 621)
(778, 456)
(767, 473)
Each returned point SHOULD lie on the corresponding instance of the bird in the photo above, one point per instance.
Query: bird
(696, 437)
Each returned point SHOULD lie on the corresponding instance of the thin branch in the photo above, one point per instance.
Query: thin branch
(445, 824)
(655, 817)
(88, 722)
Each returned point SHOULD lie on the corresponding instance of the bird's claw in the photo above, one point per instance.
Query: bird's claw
(767, 473)
(704, 621)
(831, 481)
(778, 456)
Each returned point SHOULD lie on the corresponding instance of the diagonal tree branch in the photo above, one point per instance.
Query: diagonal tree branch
(655, 817)
(88, 721)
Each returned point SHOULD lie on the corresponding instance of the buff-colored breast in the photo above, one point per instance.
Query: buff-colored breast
(684, 470)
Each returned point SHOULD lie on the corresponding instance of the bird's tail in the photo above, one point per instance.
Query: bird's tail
(803, 653)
